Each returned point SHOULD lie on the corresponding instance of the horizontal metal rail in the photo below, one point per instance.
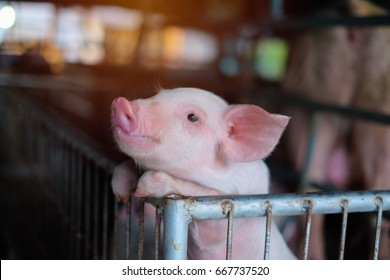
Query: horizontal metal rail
(203, 208)
(297, 100)
(326, 22)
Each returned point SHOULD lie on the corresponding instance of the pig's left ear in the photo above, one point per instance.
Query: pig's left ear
(252, 133)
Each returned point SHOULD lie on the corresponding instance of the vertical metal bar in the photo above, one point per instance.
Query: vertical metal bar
(128, 205)
(66, 172)
(141, 235)
(268, 233)
(87, 210)
(309, 207)
(72, 215)
(309, 152)
(65, 195)
(116, 231)
(176, 219)
(45, 187)
(96, 211)
(379, 204)
(157, 241)
(77, 203)
(344, 206)
(227, 207)
(105, 214)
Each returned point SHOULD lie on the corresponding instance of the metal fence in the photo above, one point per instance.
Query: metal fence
(179, 212)
(69, 212)
(68, 209)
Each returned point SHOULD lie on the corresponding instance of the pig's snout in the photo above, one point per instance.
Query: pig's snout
(124, 115)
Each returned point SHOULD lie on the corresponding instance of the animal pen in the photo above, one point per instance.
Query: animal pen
(65, 209)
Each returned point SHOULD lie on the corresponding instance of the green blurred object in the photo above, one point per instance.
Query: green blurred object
(271, 58)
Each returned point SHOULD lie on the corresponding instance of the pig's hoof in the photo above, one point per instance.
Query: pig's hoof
(155, 184)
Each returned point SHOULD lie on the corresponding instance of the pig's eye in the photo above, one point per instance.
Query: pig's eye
(192, 118)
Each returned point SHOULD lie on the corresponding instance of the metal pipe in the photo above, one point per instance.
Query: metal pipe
(268, 233)
(344, 205)
(157, 240)
(229, 209)
(175, 229)
(311, 141)
(141, 234)
(128, 207)
(202, 208)
(309, 207)
(379, 203)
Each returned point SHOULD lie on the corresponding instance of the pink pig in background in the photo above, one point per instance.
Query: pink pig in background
(192, 143)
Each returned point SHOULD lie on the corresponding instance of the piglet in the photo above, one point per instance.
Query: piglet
(192, 143)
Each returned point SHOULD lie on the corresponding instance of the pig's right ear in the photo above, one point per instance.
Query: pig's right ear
(252, 133)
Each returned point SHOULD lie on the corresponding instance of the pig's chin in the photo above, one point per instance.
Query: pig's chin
(133, 144)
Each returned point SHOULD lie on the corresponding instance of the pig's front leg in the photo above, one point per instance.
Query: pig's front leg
(123, 181)
(159, 184)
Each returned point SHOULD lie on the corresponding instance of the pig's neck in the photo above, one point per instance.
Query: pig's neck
(235, 178)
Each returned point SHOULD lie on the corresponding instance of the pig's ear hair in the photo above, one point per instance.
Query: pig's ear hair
(252, 133)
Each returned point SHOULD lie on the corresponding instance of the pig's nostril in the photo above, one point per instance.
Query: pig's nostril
(128, 117)
(126, 121)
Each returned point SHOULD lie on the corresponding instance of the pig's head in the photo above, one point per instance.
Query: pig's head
(188, 129)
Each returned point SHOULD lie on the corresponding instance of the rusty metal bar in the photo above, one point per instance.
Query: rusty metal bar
(87, 211)
(228, 208)
(379, 204)
(157, 240)
(128, 228)
(106, 211)
(309, 209)
(141, 235)
(96, 216)
(267, 241)
(116, 231)
(344, 206)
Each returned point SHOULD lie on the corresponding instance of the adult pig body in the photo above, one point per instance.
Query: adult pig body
(193, 143)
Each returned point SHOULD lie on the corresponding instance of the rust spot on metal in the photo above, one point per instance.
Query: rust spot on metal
(226, 206)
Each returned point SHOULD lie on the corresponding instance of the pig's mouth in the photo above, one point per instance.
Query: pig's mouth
(122, 134)
(132, 139)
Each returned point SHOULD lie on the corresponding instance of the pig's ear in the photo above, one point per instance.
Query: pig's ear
(252, 133)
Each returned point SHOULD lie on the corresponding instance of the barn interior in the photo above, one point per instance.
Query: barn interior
(62, 63)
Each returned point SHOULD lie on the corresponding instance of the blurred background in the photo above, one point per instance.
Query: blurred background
(325, 63)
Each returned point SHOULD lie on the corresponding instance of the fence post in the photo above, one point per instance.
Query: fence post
(176, 220)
